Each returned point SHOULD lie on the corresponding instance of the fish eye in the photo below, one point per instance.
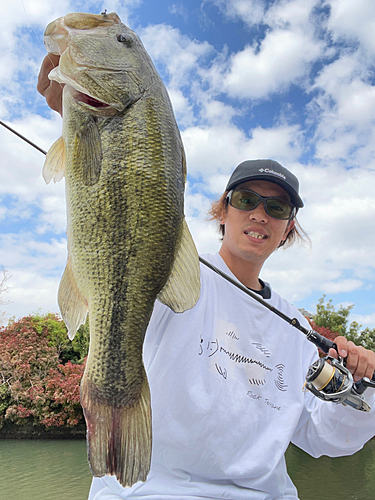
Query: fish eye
(125, 40)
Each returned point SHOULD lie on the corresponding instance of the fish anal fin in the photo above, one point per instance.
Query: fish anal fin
(182, 289)
(72, 304)
(88, 152)
(54, 165)
(119, 438)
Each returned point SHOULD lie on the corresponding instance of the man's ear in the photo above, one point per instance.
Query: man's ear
(289, 227)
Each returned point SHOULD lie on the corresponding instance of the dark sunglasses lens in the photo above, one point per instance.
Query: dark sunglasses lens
(247, 200)
(244, 200)
(279, 209)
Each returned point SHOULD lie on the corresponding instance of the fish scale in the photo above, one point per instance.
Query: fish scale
(128, 242)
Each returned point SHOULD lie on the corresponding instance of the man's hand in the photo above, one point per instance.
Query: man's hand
(359, 361)
(50, 89)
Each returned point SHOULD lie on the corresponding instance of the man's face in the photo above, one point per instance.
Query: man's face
(254, 235)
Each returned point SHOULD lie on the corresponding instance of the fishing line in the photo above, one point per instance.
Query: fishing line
(35, 33)
(340, 387)
(29, 21)
(322, 342)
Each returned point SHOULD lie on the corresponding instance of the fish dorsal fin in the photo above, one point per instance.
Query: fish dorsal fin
(184, 168)
(72, 304)
(182, 289)
(88, 153)
(54, 166)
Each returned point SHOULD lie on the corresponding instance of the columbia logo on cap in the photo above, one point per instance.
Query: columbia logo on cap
(269, 171)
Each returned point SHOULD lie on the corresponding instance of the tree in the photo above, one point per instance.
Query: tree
(327, 317)
(68, 350)
(337, 321)
(35, 385)
(4, 276)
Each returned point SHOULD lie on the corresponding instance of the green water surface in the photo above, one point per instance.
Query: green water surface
(44, 470)
(58, 470)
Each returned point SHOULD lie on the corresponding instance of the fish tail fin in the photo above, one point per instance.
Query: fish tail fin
(119, 439)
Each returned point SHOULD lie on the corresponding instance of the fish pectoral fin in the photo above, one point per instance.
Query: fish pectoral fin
(88, 152)
(182, 289)
(72, 304)
(54, 166)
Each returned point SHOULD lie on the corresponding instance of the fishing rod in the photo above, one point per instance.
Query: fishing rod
(321, 342)
(23, 137)
(327, 378)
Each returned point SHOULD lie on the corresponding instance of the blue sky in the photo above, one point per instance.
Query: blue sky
(291, 80)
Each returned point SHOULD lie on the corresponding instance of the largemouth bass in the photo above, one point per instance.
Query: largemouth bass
(128, 242)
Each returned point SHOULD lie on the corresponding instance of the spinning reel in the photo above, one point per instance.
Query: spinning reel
(330, 380)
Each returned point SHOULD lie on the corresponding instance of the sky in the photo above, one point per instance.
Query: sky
(291, 80)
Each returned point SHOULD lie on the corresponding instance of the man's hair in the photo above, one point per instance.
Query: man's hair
(219, 209)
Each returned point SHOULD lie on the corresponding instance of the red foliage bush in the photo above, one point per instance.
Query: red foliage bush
(34, 387)
(62, 387)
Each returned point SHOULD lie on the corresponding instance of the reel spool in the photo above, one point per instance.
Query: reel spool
(329, 380)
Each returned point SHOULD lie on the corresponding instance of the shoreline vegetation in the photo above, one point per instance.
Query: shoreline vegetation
(41, 370)
(40, 374)
(29, 431)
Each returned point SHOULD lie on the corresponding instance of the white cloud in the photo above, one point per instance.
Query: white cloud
(353, 20)
(182, 108)
(338, 208)
(292, 13)
(281, 13)
(345, 285)
(30, 292)
(178, 53)
(250, 11)
(212, 150)
(35, 268)
(284, 40)
(344, 110)
(21, 166)
(53, 216)
(21, 25)
(363, 319)
(218, 149)
(179, 10)
(348, 95)
(284, 57)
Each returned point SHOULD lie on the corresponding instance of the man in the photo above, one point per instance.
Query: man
(226, 377)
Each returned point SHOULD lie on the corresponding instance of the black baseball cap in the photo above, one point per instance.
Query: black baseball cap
(266, 170)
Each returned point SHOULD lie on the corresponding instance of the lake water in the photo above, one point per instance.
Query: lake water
(58, 470)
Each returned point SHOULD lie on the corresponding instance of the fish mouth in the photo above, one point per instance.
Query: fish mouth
(90, 101)
(80, 93)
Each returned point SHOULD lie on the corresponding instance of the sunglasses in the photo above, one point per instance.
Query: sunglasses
(248, 200)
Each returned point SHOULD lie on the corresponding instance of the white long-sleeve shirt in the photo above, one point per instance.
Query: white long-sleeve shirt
(226, 380)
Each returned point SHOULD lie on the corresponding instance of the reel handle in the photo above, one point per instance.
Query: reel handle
(363, 384)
